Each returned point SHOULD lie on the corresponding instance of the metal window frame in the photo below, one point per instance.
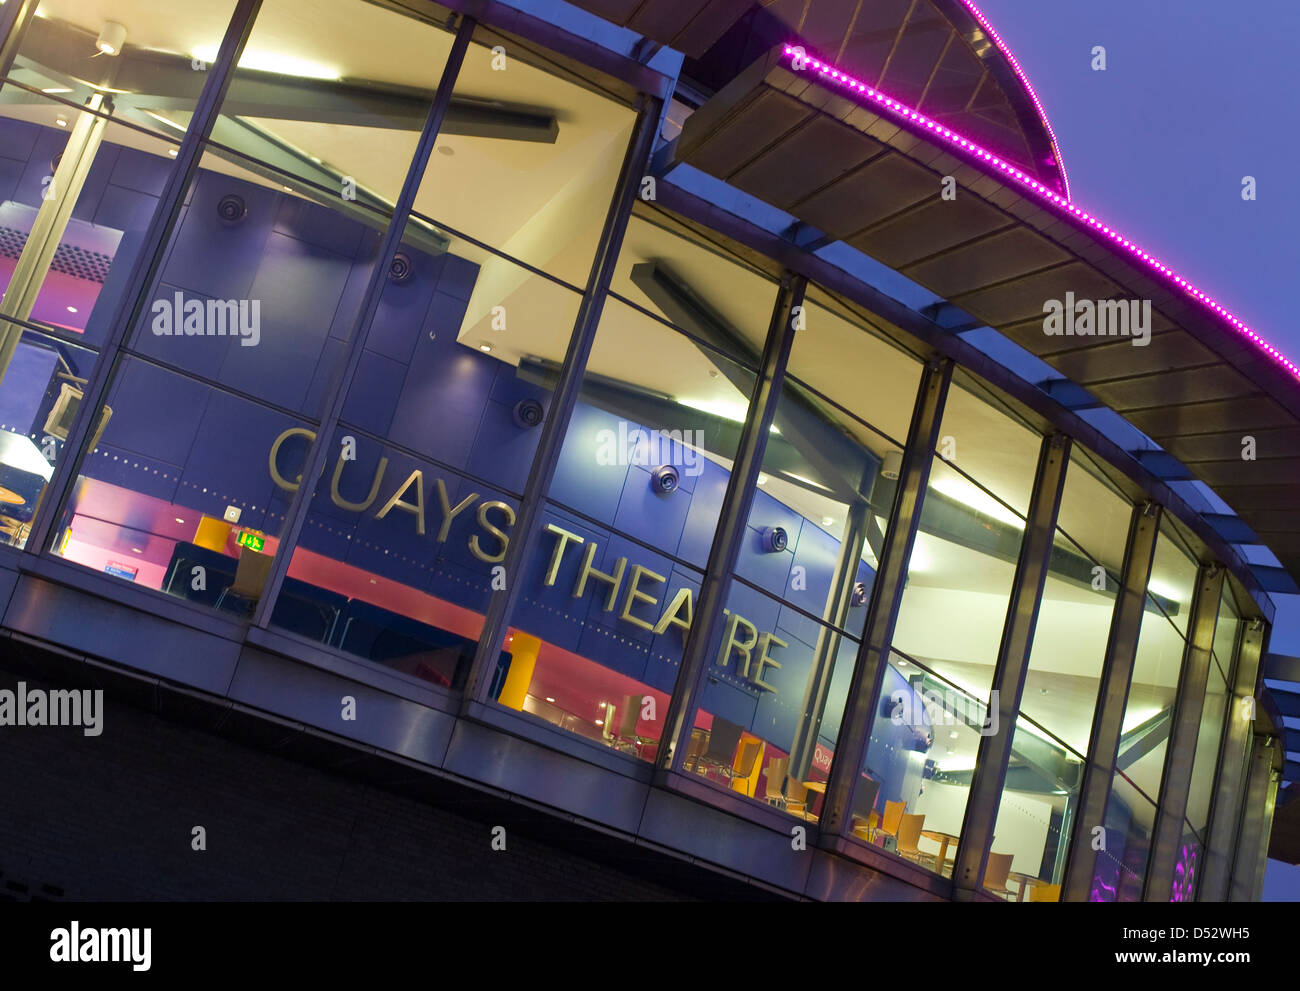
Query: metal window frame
(524, 533)
(886, 597)
(1180, 751)
(733, 521)
(1234, 758)
(1012, 667)
(1256, 820)
(14, 18)
(1112, 699)
(142, 274)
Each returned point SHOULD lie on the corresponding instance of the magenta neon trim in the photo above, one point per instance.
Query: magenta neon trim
(1024, 80)
(904, 112)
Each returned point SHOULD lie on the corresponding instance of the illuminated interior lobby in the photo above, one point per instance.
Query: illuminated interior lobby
(647, 408)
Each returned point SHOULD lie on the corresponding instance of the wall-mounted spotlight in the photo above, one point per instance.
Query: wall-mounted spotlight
(859, 595)
(774, 538)
(529, 413)
(111, 38)
(232, 209)
(401, 269)
(664, 479)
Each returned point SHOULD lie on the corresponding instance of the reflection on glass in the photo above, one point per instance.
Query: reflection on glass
(1122, 861)
(961, 570)
(39, 395)
(177, 493)
(1148, 716)
(611, 588)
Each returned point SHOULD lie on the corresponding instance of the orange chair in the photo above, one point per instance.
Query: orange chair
(909, 835)
(742, 769)
(889, 821)
(1044, 892)
(774, 782)
(996, 873)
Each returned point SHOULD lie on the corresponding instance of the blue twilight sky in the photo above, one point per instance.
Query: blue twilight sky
(1196, 95)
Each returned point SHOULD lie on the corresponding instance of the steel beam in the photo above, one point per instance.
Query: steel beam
(15, 17)
(1112, 698)
(697, 658)
(1012, 666)
(1256, 821)
(1180, 754)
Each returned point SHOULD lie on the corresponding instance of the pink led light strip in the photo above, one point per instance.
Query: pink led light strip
(901, 110)
(1024, 79)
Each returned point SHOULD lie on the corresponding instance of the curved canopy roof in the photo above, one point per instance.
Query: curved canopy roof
(941, 56)
(860, 166)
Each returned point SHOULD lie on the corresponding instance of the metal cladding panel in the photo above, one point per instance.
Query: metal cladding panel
(866, 196)
(546, 776)
(102, 628)
(1269, 444)
(1185, 386)
(1006, 255)
(1210, 417)
(1024, 299)
(311, 696)
(805, 161)
(1276, 471)
(1118, 359)
(931, 228)
(715, 837)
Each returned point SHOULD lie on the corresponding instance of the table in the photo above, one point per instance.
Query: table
(1026, 881)
(943, 839)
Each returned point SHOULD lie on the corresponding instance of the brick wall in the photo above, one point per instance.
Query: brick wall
(110, 818)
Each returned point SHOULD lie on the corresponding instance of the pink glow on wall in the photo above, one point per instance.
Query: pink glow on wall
(1024, 80)
(902, 111)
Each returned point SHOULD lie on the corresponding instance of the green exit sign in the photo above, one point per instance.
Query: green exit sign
(250, 540)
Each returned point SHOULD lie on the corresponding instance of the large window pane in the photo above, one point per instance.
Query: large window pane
(1122, 861)
(611, 588)
(1148, 717)
(177, 492)
(408, 523)
(39, 394)
(527, 157)
(950, 625)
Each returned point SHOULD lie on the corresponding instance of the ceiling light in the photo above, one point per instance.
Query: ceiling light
(902, 664)
(828, 521)
(56, 89)
(111, 38)
(72, 309)
(286, 189)
(762, 479)
(172, 152)
(61, 121)
(600, 722)
(277, 62)
(485, 348)
(179, 520)
(549, 699)
(953, 735)
(955, 487)
(136, 550)
(1164, 591)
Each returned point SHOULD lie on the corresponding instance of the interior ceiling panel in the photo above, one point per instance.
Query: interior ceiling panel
(1000, 254)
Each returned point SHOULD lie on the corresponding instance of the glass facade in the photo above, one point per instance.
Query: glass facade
(217, 392)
